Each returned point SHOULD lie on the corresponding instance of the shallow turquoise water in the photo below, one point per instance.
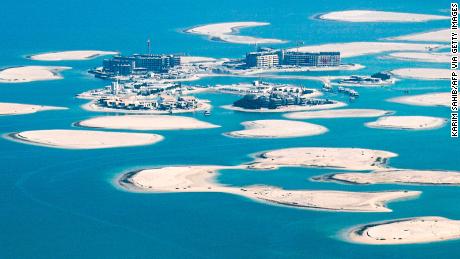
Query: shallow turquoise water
(62, 203)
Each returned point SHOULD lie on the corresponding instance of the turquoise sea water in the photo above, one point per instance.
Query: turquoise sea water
(63, 204)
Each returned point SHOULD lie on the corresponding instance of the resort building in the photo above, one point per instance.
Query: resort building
(317, 59)
(139, 64)
(264, 58)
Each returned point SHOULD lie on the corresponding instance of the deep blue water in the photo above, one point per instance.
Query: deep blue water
(63, 204)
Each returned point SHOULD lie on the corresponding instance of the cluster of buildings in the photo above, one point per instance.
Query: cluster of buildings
(375, 79)
(266, 58)
(276, 100)
(277, 96)
(162, 102)
(137, 64)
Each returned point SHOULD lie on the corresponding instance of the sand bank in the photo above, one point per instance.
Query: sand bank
(146, 122)
(19, 108)
(379, 16)
(291, 108)
(353, 49)
(202, 179)
(432, 36)
(422, 73)
(277, 129)
(84, 139)
(340, 158)
(430, 99)
(398, 176)
(71, 55)
(435, 57)
(408, 122)
(406, 231)
(30, 73)
(339, 113)
(225, 32)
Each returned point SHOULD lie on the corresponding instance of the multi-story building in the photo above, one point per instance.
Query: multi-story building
(125, 65)
(320, 59)
(262, 59)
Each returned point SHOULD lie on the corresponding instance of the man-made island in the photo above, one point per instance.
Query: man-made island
(26, 74)
(277, 129)
(226, 32)
(406, 231)
(323, 157)
(146, 122)
(396, 176)
(71, 55)
(408, 122)
(379, 16)
(429, 99)
(83, 139)
(338, 113)
(19, 108)
(202, 179)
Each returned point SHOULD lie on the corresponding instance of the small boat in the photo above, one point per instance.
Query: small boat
(207, 113)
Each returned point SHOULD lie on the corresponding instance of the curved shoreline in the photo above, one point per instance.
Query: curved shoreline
(229, 32)
(201, 179)
(147, 139)
(405, 231)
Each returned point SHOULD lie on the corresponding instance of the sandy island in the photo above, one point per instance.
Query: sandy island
(290, 108)
(435, 57)
(430, 99)
(379, 16)
(146, 122)
(432, 36)
(423, 73)
(83, 139)
(408, 122)
(396, 176)
(19, 108)
(406, 231)
(30, 73)
(353, 49)
(277, 129)
(202, 179)
(338, 113)
(71, 55)
(335, 158)
(225, 32)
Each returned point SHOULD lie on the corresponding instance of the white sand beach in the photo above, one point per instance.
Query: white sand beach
(83, 139)
(423, 73)
(354, 49)
(435, 57)
(290, 108)
(335, 158)
(71, 55)
(146, 122)
(226, 32)
(379, 16)
(406, 231)
(26, 74)
(431, 36)
(408, 122)
(400, 176)
(277, 129)
(429, 99)
(202, 179)
(338, 113)
(19, 108)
